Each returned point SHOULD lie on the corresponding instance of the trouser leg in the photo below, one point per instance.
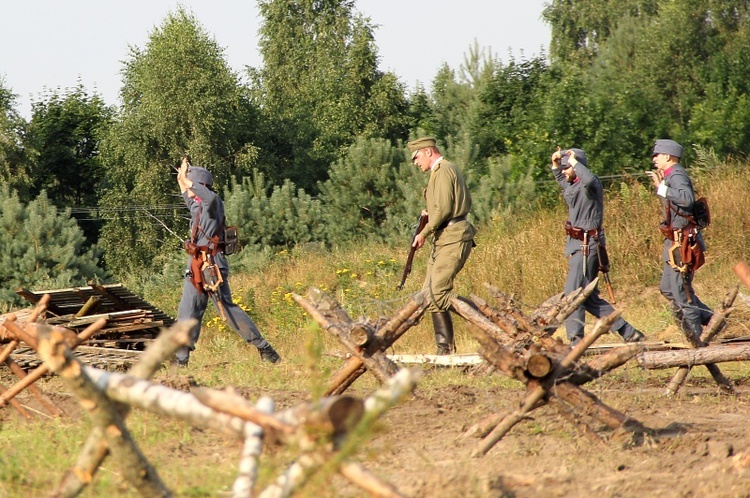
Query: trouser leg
(443, 325)
(192, 305)
(444, 264)
(689, 316)
(237, 319)
(575, 322)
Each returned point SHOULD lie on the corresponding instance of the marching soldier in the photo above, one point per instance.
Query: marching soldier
(206, 246)
(586, 244)
(448, 205)
(678, 198)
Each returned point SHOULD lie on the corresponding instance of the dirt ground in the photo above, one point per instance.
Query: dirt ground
(691, 450)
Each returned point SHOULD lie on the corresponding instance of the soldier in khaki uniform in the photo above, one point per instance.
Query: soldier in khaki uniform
(448, 205)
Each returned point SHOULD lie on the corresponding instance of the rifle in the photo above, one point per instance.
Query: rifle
(412, 249)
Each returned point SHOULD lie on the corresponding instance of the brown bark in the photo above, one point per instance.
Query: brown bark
(538, 390)
(38, 372)
(234, 404)
(378, 365)
(51, 407)
(714, 326)
(15, 404)
(405, 318)
(538, 365)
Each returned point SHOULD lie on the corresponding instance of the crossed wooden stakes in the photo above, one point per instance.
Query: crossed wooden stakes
(27, 333)
(514, 344)
(325, 432)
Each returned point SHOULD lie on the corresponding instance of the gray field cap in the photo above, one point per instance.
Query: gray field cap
(200, 175)
(580, 156)
(665, 146)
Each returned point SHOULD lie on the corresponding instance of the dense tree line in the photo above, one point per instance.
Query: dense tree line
(309, 147)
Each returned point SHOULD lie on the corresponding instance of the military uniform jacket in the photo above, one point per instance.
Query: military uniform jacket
(447, 198)
(681, 196)
(211, 217)
(585, 200)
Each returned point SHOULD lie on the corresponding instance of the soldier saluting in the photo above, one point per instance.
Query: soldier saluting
(586, 244)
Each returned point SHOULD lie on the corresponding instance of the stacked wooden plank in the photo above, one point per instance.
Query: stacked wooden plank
(131, 321)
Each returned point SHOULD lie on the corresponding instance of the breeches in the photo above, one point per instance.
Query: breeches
(444, 264)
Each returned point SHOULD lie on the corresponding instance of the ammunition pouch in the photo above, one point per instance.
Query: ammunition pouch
(686, 253)
(666, 230)
(231, 240)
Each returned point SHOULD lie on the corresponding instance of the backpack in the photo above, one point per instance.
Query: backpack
(701, 213)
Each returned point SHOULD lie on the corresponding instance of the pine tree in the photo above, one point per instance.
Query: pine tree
(41, 247)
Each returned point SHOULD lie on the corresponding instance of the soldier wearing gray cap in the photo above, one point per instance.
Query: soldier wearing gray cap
(584, 195)
(448, 205)
(207, 224)
(678, 198)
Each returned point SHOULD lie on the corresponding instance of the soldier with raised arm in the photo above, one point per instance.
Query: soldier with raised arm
(585, 242)
(206, 248)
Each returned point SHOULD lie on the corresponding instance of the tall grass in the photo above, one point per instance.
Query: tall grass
(521, 254)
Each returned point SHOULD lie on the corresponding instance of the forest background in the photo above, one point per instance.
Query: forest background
(311, 152)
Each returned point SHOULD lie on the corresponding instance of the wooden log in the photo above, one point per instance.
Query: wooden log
(89, 307)
(333, 415)
(604, 363)
(15, 404)
(134, 465)
(380, 367)
(38, 372)
(589, 405)
(484, 333)
(575, 419)
(538, 366)
(360, 335)
(506, 303)
(363, 478)
(233, 404)
(96, 449)
(405, 318)
(328, 306)
(537, 390)
(160, 399)
(719, 353)
(8, 350)
(247, 469)
(508, 327)
(576, 303)
(679, 378)
(51, 407)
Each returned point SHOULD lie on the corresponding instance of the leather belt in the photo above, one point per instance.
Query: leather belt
(452, 221)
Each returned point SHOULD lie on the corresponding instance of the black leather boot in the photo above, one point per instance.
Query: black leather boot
(269, 354)
(443, 325)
